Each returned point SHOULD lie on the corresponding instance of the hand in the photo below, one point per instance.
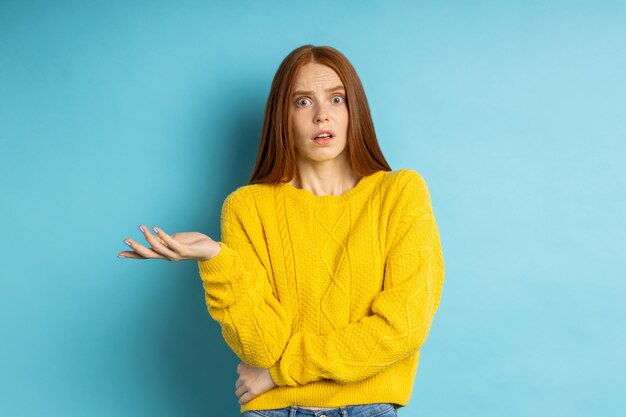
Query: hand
(177, 247)
(252, 382)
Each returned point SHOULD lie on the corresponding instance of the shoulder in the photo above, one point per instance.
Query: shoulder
(247, 200)
(238, 201)
(409, 195)
(405, 181)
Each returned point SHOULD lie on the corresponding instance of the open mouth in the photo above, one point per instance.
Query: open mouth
(323, 140)
(323, 136)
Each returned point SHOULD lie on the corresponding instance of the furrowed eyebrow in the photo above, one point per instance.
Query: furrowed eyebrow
(308, 93)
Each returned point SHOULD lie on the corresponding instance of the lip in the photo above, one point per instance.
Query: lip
(319, 132)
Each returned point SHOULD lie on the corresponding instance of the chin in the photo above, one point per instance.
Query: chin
(324, 156)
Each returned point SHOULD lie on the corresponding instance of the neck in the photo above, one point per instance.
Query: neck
(325, 179)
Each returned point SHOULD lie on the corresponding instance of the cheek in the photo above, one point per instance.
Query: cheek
(343, 118)
(297, 123)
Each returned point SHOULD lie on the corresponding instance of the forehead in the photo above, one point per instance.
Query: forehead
(314, 75)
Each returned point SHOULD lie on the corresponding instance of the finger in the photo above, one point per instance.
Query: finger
(245, 398)
(240, 391)
(157, 246)
(142, 250)
(156, 232)
(129, 254)
(169, 241)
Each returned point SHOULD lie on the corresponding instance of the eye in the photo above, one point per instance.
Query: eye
(338, 99)
(302, 102)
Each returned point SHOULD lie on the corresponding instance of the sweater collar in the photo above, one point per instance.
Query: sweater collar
(361, 187)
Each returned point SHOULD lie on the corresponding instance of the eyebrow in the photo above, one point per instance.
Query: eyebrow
(308, 93)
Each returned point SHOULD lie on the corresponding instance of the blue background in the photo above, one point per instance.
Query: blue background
(114, 114)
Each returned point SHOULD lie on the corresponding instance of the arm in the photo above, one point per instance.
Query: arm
(401, 314)
(238, 293)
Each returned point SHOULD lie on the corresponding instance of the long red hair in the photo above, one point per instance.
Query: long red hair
(276, 156)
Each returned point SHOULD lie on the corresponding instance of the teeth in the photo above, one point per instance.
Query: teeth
(323, 135)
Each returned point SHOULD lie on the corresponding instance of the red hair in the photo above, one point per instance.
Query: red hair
(276, 156)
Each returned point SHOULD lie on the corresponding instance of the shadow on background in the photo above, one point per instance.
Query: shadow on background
(196, 362)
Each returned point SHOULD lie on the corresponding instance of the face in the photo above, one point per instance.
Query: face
(319, 106)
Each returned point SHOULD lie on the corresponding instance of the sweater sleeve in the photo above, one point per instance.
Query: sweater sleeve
(237, 289)
(401, 314)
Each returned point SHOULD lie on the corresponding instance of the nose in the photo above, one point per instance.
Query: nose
(321, 115)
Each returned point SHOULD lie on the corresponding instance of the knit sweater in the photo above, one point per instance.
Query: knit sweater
(334, 294)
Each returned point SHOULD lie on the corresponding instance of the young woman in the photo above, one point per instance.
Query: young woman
(330, 266)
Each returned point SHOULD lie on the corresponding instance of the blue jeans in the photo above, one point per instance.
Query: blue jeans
(361, 410)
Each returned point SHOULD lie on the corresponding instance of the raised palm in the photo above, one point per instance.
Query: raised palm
(175, 247)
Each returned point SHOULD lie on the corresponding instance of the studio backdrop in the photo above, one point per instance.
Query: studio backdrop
(115, 114)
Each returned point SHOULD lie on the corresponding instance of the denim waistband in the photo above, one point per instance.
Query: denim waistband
(359, 410)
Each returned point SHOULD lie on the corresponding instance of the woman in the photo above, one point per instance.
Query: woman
(330, 267)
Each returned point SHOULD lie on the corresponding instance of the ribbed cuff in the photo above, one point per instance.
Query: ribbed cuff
(277, 377)
(217, 268)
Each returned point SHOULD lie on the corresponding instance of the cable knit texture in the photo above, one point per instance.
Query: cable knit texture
(334, 294)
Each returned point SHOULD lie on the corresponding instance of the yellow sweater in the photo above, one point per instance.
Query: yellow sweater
(334, 294)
